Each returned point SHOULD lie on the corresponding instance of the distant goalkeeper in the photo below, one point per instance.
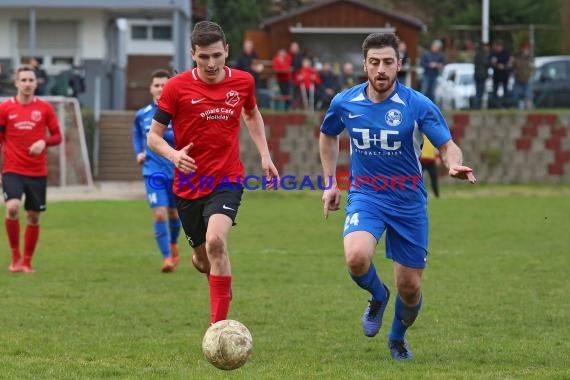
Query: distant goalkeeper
(158, 173)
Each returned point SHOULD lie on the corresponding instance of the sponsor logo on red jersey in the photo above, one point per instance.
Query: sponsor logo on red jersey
(232, 98)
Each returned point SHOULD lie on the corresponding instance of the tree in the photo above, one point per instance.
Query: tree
(565, 21)
(441, 15)
(236, 17)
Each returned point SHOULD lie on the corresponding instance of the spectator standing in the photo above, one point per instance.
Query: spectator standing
(296, 56)
(4, 79)
(76, 82)
(432, 63)
(405, 67)
(247, 61)
(41, 77)
(347, 76)
(522, 68)
(296, 64)
(502, 62)
(281, 64)
(307, 79)
(329, 85)
(481, 66)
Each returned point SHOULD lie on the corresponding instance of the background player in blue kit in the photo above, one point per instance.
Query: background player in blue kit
(386, 121)
(158, 173)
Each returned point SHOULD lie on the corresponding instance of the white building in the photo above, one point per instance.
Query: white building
(115, 43)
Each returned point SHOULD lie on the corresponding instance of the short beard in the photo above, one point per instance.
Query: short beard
(380, 90)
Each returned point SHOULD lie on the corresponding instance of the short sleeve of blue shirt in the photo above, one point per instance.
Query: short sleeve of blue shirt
(332, 123)
(433, 124)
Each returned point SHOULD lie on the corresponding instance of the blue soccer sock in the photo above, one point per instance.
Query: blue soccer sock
(404, 317)
(174, 230)
(162, 238)
(371, 282)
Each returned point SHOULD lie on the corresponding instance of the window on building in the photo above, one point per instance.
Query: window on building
(151, 32)
(57, 44)
(162, 32)
(139, 32)
(66, 61)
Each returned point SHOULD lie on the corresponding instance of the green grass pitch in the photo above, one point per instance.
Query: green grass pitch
(495, 294)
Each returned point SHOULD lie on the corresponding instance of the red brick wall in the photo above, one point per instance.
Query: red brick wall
(502, 146)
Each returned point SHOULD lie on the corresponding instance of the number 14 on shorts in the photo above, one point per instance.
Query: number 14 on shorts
(152, 198)
(351, 219)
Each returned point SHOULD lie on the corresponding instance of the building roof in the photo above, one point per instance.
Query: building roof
(412, 21)
(183, 5)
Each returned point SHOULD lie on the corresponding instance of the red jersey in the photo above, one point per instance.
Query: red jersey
(307, 76)
(282, 67)
(24, 125)
(208, 115)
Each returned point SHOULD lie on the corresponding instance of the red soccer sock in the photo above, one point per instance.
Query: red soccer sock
(30, 240)
(219, 297)
(13, 232)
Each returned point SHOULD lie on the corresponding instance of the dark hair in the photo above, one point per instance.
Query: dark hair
(206, 33)
(381, 40)
(160, 73)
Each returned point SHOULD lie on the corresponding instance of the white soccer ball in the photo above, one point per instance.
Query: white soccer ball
(227, 344)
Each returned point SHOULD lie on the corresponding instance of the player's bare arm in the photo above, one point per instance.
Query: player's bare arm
(453, 159)
(256, 127)
(180, 158)
(140, 158)
(329, 150)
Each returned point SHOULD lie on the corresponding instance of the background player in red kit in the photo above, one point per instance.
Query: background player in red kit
(205, 105)
(24, 121)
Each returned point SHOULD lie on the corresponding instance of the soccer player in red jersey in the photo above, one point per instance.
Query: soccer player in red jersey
(24, 121)
(204, 105)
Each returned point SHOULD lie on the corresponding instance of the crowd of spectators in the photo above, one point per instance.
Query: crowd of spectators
(70, 82)
(295, 79)
(499, 73)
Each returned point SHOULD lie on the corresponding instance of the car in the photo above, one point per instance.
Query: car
(550, 82)
(455, 86)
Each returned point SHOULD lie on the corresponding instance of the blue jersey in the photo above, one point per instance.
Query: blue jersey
(154, 162)
(386, 140)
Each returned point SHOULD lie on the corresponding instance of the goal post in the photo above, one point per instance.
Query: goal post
(68, 162)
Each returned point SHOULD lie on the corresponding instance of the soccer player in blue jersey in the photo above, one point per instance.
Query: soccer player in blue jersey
(158, 173)
(386, 121)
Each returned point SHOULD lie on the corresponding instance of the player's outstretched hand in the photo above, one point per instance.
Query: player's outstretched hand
(183, 161)
(331, 200)
(462, 172)
(270, 171)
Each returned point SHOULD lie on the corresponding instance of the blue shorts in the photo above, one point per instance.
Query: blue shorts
(406, 230)
(159, 192)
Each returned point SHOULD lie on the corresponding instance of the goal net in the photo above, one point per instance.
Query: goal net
(68, 162)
